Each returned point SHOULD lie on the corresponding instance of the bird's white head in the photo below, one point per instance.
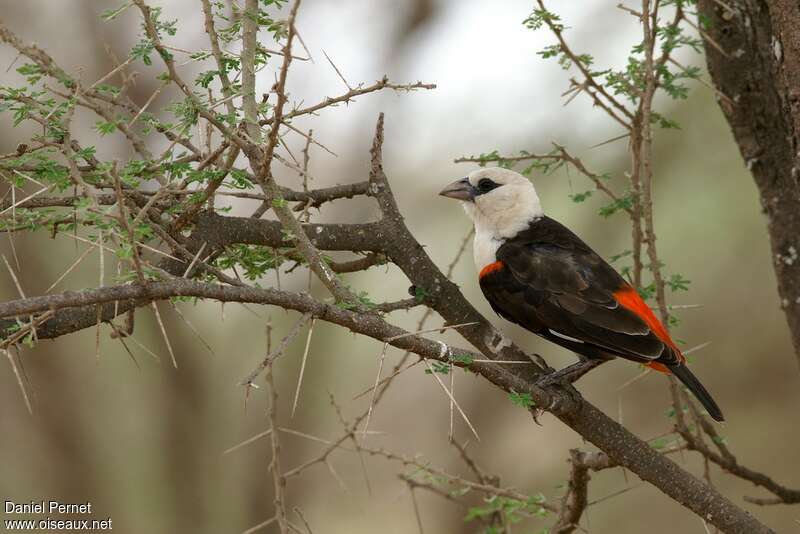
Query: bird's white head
(499, 201)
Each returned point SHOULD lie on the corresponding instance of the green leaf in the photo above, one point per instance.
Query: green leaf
(142, 50)
(466, 359)
(420, 293)
(438, 367)
(111, 14)
(616, 257)
(625, 202)
(580, 197)
(104, 128)
(205, 78)
(32, 72)
(362, 298)
(677, 282)
(540, 17)
(523, 400)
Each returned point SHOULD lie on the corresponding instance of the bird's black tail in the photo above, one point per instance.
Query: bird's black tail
(690, 381)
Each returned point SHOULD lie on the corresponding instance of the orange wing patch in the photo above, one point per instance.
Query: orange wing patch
(490, 268)
(660, 367)
(629, 299)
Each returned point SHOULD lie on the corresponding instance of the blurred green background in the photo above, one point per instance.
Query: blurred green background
(145, 445)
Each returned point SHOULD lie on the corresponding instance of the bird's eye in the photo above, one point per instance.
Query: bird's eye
(485, 185)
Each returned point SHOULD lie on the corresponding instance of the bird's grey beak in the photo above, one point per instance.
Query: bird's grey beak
(460, 190)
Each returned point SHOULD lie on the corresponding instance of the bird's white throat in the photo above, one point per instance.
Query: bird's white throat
(500, 220)
(484, 248)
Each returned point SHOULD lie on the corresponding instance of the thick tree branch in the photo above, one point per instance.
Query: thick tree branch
(575, 499)
(369, 324)
(761, 75)
(219, 231)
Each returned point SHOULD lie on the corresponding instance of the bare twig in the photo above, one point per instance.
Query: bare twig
(575, 499)
(249, 380)
(302, 366)
(278, 481)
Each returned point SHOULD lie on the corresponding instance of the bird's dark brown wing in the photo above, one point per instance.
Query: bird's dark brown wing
(548, 280)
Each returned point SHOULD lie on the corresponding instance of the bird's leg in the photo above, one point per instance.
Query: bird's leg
(571, 373)
(564, 378)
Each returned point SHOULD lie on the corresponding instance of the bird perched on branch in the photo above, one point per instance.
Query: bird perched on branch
(538, 274)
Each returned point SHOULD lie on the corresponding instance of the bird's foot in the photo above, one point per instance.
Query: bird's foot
(560, 384)
(564, 378)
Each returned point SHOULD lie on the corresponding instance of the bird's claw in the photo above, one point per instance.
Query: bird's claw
(561, 382)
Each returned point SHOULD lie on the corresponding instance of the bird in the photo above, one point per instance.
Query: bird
(537, 273)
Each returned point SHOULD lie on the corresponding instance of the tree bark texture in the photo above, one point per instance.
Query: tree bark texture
(757, 71)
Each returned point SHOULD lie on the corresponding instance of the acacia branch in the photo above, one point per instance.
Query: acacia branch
(166, 56)
(607, 102)
(261, 162)
(347, 97)
(313, 198)
(575, 500)
(728, 462)
(248, 62)
(222, 72)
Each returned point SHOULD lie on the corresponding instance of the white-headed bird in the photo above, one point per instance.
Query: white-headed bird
(538, 274)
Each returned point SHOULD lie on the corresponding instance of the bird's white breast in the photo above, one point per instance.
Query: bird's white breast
(484, 248)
